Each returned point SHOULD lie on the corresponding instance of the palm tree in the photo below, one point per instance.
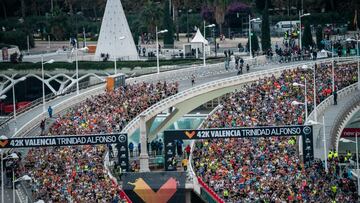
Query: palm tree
(220, 10)
(151, 15)
(176, 5)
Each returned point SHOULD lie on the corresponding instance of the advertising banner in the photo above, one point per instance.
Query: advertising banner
(52, 141)
(170, 136)
(155, 187)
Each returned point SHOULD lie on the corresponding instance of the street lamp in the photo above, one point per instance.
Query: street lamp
(77, 65)
(187, 24)
(115, 68)
(305, 67)
(251, 20)
(311, 122)
(205, 26)
(42, 76)
(157, 47)
(14, 102)
(305, 102)
(3, 97)
(300, 16)
(11, 156)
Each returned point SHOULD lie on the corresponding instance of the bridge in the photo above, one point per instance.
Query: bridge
(182, 103)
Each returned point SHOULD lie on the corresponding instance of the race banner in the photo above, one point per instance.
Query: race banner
(171, 136)
(52, 141)
(155, 187)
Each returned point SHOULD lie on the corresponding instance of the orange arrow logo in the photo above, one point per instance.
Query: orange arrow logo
(190, 134)
(3, 143)
(163, 195)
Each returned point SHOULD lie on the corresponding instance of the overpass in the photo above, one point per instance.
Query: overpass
(185, 101)
(32, 116)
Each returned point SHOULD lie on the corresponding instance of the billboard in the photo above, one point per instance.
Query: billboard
(171, 136)
(120, 140)
(155, 187)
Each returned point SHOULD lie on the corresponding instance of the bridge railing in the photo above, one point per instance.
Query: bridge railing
(48, 97)
(343, 117)
(201, 89)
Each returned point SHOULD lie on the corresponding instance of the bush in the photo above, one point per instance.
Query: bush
(92, 65)
(18, 38)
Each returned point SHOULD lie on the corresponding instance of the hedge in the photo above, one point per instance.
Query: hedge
(91, 65)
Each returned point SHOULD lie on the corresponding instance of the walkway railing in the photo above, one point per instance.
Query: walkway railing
(345, 114)
(202, 89)
(48, 97)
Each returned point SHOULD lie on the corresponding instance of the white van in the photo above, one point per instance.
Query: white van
(283, 26)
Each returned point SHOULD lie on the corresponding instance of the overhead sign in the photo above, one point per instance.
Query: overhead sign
(296, 130)
(51, 141)
(155, 187)
(218, 133)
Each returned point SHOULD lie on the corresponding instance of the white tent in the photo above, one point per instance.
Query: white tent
(197, 44)
(199, 38)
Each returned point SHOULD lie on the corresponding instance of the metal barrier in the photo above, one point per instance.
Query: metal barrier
(48, 98)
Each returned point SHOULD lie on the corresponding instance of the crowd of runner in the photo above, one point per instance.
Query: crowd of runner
(268, 169)
(63, 174)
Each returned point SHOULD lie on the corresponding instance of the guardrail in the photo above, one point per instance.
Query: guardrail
(201, 89)
(329, 101)
(48, 97)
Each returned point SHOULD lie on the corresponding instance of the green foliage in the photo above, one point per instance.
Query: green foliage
(254, 42)
(92, 65)
(168, 24)
(265, 29)
(307, 39)
(319, 37)
(18, 38)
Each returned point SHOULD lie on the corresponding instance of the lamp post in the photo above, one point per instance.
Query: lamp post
(14, 102)
(115, 68)
(77, 65)
(157, 47)
(11, 156)
(204, 56)
(305, 102)
(311, 122)
(300, 16)
(42, 77)
(251, 20)
(187, 24)
(23, 178)
(305, 67)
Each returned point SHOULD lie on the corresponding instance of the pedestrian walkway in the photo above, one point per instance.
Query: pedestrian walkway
(330, 114)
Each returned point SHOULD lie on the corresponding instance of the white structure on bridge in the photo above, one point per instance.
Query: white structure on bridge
(115, 36)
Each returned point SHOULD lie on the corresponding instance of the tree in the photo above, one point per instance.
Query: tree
(254, 42)
(150, 15)
(307, 40)
(176, 5)
(265, 28)
(319, 37)
(220, 7)
(168, 24)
